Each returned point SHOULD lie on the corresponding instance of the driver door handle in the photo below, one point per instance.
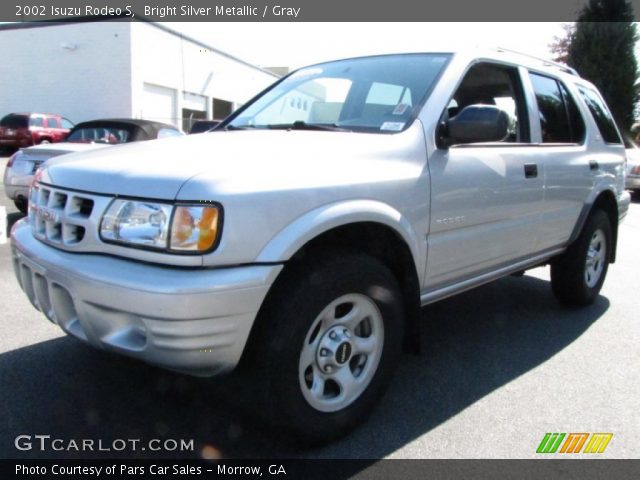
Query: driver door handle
(530, 170)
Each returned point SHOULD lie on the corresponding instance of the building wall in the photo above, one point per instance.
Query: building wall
(196, 75)
(81, 71)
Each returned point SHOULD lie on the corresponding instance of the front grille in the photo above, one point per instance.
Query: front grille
(64, 218)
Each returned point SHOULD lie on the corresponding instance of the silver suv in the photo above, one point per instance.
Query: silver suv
(300, 238)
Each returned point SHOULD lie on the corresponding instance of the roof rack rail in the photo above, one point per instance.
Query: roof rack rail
(551, 63)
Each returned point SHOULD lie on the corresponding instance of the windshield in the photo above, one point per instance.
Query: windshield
(374, 94)
(109, 135)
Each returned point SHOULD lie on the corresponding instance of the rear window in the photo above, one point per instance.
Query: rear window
(108, 135)
(601, 115)
(15, 121)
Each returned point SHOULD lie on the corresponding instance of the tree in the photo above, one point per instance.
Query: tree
(560, 44)
(602, 50)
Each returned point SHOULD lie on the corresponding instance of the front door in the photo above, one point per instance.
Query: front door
(486, 198)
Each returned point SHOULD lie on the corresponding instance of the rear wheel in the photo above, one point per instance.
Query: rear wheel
(578, 274)
(326, 344)
(45, 141)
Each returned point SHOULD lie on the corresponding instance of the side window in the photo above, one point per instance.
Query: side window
(560, 119)
(554, 119)
(66, 123)
(576, 122)
(494, 85)
(53, 122)
(35, 122)
(601, 115)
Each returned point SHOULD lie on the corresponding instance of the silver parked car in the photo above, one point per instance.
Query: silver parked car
(85, 136)
(300, 238)
(632, 181)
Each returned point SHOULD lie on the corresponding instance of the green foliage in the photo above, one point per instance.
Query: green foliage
(602, 49)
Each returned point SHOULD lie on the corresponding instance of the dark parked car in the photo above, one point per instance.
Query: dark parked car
(85, 136)
(26, 129)
(202, 126)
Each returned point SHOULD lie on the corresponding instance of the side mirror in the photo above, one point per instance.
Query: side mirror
(476, 123)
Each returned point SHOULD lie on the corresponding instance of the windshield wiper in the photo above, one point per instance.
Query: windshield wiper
(301, 125)
(238, 127)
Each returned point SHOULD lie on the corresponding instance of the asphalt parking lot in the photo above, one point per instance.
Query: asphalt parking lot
(500, 366)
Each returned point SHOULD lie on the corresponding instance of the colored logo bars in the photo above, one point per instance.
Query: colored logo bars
(574, 442)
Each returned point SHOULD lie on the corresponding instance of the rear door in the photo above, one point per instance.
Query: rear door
(486, 198)
(561, 137)
(54, 128)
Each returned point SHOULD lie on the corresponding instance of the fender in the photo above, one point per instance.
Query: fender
(322, 219)
(601, 187)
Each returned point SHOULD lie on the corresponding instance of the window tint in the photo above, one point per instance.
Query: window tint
(576, 122)
(601, 115)
(497, 85)
(36, 121)
(554, 118)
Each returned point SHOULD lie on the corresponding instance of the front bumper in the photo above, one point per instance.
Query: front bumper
(195, 321)
(16, 142)
(16, 185)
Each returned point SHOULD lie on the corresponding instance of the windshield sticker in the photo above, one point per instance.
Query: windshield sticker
(400, 109)
(392, 126)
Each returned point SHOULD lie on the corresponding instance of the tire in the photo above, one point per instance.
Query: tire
(578, 274)
(325, 345)
(22, 205)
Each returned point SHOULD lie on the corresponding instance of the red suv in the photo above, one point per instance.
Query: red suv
(26, 129)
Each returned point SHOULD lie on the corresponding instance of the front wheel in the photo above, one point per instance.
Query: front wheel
(578, 274)
(326, 345)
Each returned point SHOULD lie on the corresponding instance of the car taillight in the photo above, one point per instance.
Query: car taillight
(636, 170)
(11, 159)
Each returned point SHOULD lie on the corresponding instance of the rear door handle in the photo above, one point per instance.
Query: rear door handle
(530, 170)
(593, 165)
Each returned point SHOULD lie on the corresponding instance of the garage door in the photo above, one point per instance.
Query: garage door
(159, 103)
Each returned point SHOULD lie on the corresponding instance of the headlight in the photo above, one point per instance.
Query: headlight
(181, 228)
(139, 223)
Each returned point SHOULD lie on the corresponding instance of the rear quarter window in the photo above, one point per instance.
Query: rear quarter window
(601, 115)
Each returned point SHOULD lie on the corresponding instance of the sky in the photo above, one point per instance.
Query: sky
(297, 44)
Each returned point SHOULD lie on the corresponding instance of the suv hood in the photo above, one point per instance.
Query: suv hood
(247, 160)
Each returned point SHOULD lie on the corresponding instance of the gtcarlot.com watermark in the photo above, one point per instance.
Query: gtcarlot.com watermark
(47, 443)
